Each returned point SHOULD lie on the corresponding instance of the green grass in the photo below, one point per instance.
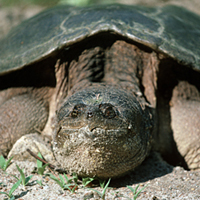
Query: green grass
(104, 186)
(10, 193)
(72, 184)
(40, 166)
(134, 191)
(5, 163)
(86, 181)
(65, 184)
(25, 180)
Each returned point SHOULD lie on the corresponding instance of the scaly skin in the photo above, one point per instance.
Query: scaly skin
(104, 128)
(102, 131)
(103, 125)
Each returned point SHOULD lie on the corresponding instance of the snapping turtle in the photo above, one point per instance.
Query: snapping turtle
(108, 83)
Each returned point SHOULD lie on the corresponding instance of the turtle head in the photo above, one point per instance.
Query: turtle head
(101, 131)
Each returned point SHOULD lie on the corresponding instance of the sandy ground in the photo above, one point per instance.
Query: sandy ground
(164, 181)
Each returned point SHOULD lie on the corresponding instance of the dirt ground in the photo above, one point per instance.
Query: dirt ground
(164, 181)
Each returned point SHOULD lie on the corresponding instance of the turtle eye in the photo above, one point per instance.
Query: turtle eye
(108, 110)
(77, 110)
(74, 113)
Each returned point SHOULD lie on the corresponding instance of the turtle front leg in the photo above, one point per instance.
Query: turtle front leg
(185, 114)
(20, 115)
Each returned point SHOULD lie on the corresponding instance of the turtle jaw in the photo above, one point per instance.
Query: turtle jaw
(101, 131)
(98, 153)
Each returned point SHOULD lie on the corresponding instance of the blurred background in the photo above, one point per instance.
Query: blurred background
(12, 12)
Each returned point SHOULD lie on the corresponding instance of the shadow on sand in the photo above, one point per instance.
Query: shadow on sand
(154, 166)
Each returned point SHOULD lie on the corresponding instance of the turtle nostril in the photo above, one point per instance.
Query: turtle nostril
(89, 114)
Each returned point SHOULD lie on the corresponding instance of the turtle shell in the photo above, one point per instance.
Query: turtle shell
(171, 30)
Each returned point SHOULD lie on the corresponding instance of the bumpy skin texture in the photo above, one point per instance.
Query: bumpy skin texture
(185, 112)
(20, 115)
(111, 77)
(103, 128)
(102, 131)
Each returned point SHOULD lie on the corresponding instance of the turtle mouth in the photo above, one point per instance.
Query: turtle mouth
(100, 132)
(97, 151)
(86, 132)
(72, 138)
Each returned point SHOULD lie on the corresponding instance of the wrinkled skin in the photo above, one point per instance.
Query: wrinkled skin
(104, 125)
(100, 132)
(100, 129)
(106, 99)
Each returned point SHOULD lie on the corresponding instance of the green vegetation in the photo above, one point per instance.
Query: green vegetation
(14, 187)
(40, 166)
(67, 184)
(24, 180)
(103, 182)
(39, 182)
(87, 181)
(102, 185)
(135, 193)
(72, 184)
(3, 163)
